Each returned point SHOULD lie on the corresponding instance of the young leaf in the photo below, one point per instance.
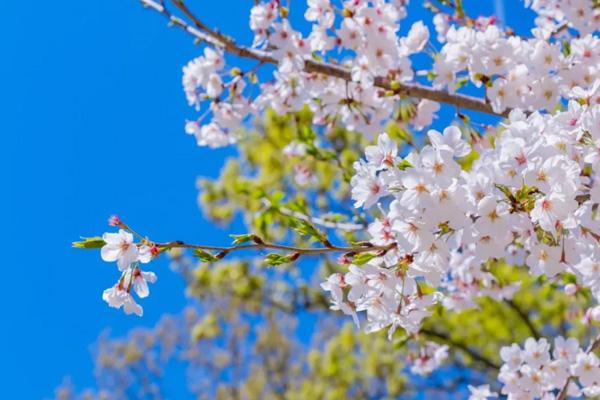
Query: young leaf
(363, 258)
(204, 255)
(404, 164)
(239, 239)
(306, 228)
(275, 259)
(90, 243)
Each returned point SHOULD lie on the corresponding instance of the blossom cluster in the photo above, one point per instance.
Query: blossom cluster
(388, 297)
(202, 81)
(535, 372)
(529, 198)
(368, 31)
(427, 358)
(362, 36)
(529, 74)
(120, 247)
(581, 15)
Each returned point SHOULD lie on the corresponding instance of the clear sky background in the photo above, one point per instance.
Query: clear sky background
(91, 121)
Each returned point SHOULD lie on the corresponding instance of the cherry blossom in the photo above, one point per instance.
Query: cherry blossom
(482, 392)
(533, 372)
(118, 297)
(427, 358)
(119, 247)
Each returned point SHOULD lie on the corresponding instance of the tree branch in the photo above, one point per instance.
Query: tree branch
(207, 35)
(259, 244)
(525, 318)
(427, 332)
(462, 347)
(344, 226)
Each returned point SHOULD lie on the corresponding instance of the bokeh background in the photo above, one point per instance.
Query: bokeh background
(91, 121)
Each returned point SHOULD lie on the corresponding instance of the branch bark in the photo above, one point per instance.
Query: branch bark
(178, 244)
(213, 37)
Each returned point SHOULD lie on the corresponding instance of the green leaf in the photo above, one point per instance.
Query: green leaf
(298, 205)
(566, 48)
(275, 259)
(239, 239)
(306, 135)
(276, 197)
(461, 82)
(89, 243)
(363, 258)
(506, 191)
(204, 255)
(404, 164)
(306, 228)
(467, 161)
(396, 132)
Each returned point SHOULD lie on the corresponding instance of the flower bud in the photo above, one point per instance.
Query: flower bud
(114, 220)
(154, 250)
(344, 260)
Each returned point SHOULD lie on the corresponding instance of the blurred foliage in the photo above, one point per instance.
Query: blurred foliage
(262, 170)
(257, 332)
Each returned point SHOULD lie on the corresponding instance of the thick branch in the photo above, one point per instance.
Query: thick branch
(203, 33)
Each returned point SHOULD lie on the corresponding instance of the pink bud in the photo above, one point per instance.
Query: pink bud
(154, 250)
(114, 220)
(570, 289)
(344, 260)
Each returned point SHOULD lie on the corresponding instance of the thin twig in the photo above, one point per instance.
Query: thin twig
(344, 226)
(201, 32)
(178, 244)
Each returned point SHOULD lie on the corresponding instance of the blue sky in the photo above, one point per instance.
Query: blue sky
(92, 116)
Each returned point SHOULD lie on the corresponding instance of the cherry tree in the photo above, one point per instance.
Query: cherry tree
(421, 230)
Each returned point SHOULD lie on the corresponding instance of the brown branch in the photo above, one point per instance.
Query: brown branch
(259, 244)
(525, 318)
(443, 337)
(462, 347)
(207, 35)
